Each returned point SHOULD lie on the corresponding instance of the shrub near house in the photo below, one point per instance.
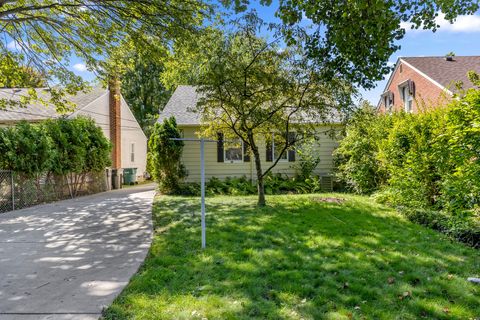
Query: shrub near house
(427, 164)
(55, 153)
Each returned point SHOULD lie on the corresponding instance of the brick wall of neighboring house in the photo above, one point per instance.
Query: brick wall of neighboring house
(427, 94)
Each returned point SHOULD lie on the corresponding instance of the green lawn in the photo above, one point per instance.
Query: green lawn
(299, 258)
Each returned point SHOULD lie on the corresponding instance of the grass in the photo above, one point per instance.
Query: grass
(299, 258)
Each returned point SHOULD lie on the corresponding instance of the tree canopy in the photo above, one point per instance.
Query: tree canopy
(252, 88)
(355, 39)
(48, 32)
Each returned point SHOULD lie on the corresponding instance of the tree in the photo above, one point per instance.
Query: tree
(15, 75)
(142, 88)
(252, 88)
(354, 39)
(48, 32)
(164, 156)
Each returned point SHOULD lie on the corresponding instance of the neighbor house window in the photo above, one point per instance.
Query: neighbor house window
(407, 99)
(388, 101)
(407, 92)
(233, 151)
(132, 152)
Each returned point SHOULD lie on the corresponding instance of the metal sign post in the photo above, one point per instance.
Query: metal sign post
(202, 182)
(202, 192)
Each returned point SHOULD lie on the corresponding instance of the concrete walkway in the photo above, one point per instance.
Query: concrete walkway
(69, 259)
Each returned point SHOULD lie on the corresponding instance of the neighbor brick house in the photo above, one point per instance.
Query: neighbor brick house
(419, 83)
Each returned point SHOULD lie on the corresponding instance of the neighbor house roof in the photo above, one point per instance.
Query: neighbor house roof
(182, 106)
(446, 72)
(36, 111)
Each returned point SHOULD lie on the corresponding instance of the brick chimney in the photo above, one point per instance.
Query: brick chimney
(115, 122)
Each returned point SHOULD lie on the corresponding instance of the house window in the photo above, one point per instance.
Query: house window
(132, 152)
(233, 151)
(278, 144)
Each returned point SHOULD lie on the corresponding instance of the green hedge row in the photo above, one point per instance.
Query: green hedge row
(428, 162)
(58, 146)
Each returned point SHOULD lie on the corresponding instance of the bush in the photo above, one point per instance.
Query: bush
(274, 184)
(164, 156)
(27, 149)
(428, 162)
(57, 146)
(464, 228)
(356, 158)
(308, 160)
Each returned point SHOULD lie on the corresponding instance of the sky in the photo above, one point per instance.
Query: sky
(462, 38)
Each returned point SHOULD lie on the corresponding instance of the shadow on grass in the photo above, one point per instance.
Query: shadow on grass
(297, 259)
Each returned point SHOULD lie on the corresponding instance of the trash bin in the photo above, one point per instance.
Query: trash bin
(129, 175)
(116, 178)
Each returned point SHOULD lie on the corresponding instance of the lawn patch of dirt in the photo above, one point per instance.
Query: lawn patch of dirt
(329, 200)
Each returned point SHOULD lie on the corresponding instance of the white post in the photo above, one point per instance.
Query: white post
(202, 182)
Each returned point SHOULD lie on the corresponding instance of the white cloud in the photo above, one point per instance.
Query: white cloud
(463, 23)
(80, 67)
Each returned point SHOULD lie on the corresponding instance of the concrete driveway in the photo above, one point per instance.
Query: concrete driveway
(70, 259)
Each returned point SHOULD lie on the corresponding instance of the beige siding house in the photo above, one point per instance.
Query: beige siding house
(224, 160)
(103, 107)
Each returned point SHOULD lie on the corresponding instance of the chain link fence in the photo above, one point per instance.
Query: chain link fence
(18, 191)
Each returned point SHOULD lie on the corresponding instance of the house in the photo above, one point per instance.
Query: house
(106, 107)
(418, 83)
(229, 159)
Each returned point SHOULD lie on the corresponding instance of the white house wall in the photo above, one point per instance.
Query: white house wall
(132, 133)
(99, 111)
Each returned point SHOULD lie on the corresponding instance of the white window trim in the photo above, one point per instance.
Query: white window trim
(273, 151)
(225, 153)
(403, 88)
(388, 104)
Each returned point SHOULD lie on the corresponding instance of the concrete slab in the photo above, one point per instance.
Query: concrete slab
(69, 259)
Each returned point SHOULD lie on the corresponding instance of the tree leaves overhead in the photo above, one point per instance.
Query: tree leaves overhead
(48, 32)
(355, 39)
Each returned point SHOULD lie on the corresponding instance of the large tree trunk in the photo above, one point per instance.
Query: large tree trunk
(258, 167)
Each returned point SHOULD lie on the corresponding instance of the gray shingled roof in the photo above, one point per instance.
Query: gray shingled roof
(181, 106)
(446, 72)
(184, 100)
(36, 111)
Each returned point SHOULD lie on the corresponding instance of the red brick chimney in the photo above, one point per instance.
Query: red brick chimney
(115, 122)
